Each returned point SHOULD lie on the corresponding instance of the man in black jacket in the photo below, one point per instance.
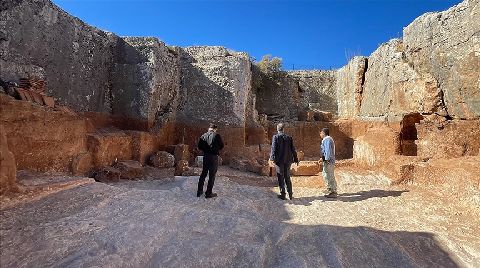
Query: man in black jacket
(283, 154)
(211, 144)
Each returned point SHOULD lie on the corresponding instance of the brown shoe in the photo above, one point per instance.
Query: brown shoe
(331, 195)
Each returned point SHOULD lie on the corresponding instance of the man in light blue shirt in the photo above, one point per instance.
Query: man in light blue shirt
(328, 158)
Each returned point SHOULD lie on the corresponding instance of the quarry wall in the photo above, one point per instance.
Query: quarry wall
(415, 96)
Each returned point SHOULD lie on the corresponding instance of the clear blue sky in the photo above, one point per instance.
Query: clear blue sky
(309, 34)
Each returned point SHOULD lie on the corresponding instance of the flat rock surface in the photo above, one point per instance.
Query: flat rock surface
(161, 223)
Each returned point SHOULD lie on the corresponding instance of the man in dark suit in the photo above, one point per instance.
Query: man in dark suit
(211, 144)
(283, 154)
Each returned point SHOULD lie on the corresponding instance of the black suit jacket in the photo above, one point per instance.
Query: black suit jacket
(210, 143)
(283, 150)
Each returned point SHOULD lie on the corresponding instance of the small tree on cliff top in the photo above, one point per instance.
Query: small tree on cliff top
(269, 65)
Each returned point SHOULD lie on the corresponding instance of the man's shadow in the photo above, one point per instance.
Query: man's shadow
(349, 197)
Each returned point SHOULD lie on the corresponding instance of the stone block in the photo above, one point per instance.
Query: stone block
(181, 152)
(108, 147)
(305, 168)
(130, 169)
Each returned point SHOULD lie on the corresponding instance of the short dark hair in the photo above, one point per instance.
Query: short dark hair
(280, 126)
(212, 126)
(326, 131)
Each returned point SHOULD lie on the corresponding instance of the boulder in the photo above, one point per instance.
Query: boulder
(108, 174)
(306, 168)
(162, 159)
(130, 169)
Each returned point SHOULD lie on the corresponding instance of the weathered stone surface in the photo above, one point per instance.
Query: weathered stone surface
(109, 146)
(108, 174)
(130, 169)
(42, 139)
(86, 68)
(349, 87)
(215, 85)
(372, 150)
(181, 152)
(82, 163)
(181, 167)
(285, 95)
(147, 80)
(317, 89)
(454, 139)
(8, 169)
(76, 57)
(305, 168)
(162, 159)
(393, 87)
(446, 47)
(157, 223)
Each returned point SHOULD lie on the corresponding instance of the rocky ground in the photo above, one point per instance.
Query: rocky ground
(161, 223)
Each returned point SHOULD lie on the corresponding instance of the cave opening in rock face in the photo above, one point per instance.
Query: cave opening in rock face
(408, 134)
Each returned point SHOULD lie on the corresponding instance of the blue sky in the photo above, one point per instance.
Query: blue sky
(305, 34)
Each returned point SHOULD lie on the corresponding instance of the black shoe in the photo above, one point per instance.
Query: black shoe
(290, 196)
(282, 196)
(199, 194)
(212, 195)
(331, 195)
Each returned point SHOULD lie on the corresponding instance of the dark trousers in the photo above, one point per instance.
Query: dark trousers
(210, 166)
(283, 175)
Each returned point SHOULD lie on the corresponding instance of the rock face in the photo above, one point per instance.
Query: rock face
(147, 80)
(285, 95)
(394, 88)
(42, 139)
(8, 169)
(349, 87)
(445, 47)
(454, 139)
(86, 68)
(370, 150)
(51, 39)
(216, 86)
(317, 90)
